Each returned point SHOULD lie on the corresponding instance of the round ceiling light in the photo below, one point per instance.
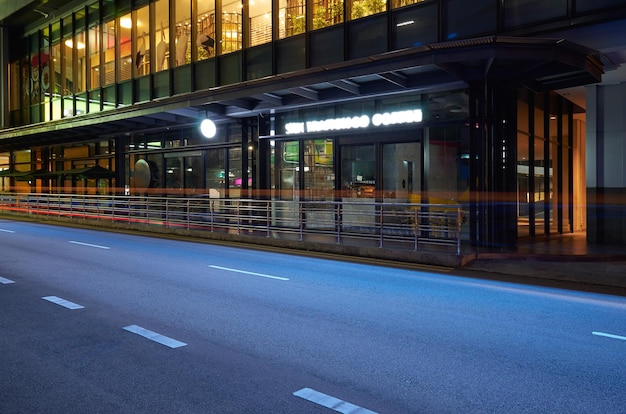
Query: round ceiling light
(208, 128)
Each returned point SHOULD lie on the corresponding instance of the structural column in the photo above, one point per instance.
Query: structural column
(493, 153)
(606, 160)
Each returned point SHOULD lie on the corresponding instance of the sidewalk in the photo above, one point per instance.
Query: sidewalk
(564, 258)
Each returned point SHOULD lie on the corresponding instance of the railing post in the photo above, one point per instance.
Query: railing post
(267, 218)
(238, 220)
(458, 232)
(301, 220)
(380, 225)
(188, 214)
(416, 229)
(338, 222)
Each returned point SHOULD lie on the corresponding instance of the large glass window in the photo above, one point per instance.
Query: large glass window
(124, 68)
(53, 80)
(108, 39)
(182, 19)
(319, 176)
(142, 55)
(260, 12)
(402, 167)
(216, 173)
(67, 80)
(162, 35)
(358, 171)
(362, 8)
(231, 39)
(327, 13)
(94, 57)
(291, 17)
(80, 79)
(205, 40)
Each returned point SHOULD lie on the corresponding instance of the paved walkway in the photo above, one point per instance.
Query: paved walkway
(565, 258)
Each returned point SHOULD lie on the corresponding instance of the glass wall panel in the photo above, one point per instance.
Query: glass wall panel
(231, 36)
(358, 171)
(462, 21)
(361, 8)
(290, 54)
(401, 3)
(67, 80)
(326, 13)
(521, 12)
(260, 12)
(327, 46)
(53, 81)
(205, 41)
(80, 76)
(319, 175)
(402, 169)
(161, 35)
(125, 63)
(109, 41)
(94, 57)
(141, 54)
(291, 17)
(216, 173)
(173, 172)
(588, 5)
(259, 62)
(415, 26)
(182, 20)
(235, 173)
(367, 37)
(446, 176)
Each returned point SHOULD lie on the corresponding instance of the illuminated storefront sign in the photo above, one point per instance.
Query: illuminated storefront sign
(355, 122)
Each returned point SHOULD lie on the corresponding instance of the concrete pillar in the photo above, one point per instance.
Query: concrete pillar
(606, 163)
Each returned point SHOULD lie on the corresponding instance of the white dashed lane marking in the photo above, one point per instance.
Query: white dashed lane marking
(5, 281)
(153, 336)
(608, 335)
(331, 402)
(245, 272)
(62, 302)
(89, 245)
(7, 231)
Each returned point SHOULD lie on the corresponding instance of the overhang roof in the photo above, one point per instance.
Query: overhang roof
(538, 64)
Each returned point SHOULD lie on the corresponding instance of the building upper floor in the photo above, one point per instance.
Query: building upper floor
(69, 59)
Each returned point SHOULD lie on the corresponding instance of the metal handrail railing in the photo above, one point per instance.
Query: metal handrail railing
(380, 224)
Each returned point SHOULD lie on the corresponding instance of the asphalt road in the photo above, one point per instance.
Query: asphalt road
(98, 322)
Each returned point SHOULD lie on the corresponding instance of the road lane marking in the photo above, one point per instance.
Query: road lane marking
(153, 336)
(62, 302)
(331, 402)
(89, 245)
(5, 281)
(608, 335)
(7, 231)
(248, 273)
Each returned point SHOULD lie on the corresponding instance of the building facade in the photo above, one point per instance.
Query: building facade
(501, 106)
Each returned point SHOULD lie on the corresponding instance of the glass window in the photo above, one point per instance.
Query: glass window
(215, 173)
(142, 42)
(94, 57)
(205, 40)
(401, 3)
(124, 68)
(362, 8)
(260, 12)
(415, 26)
(235, 173)
(463, 21)
(182, 19)
(521, 12)
(52, 81)
(231, 27)
(291, 17)
(587, 5)
(162, 35)
(358, 171)
(80, 78)
(108, 40)
(402, 166)
(327, 13)
(319, 176)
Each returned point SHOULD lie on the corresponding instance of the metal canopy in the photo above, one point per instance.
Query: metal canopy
(537, 64)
